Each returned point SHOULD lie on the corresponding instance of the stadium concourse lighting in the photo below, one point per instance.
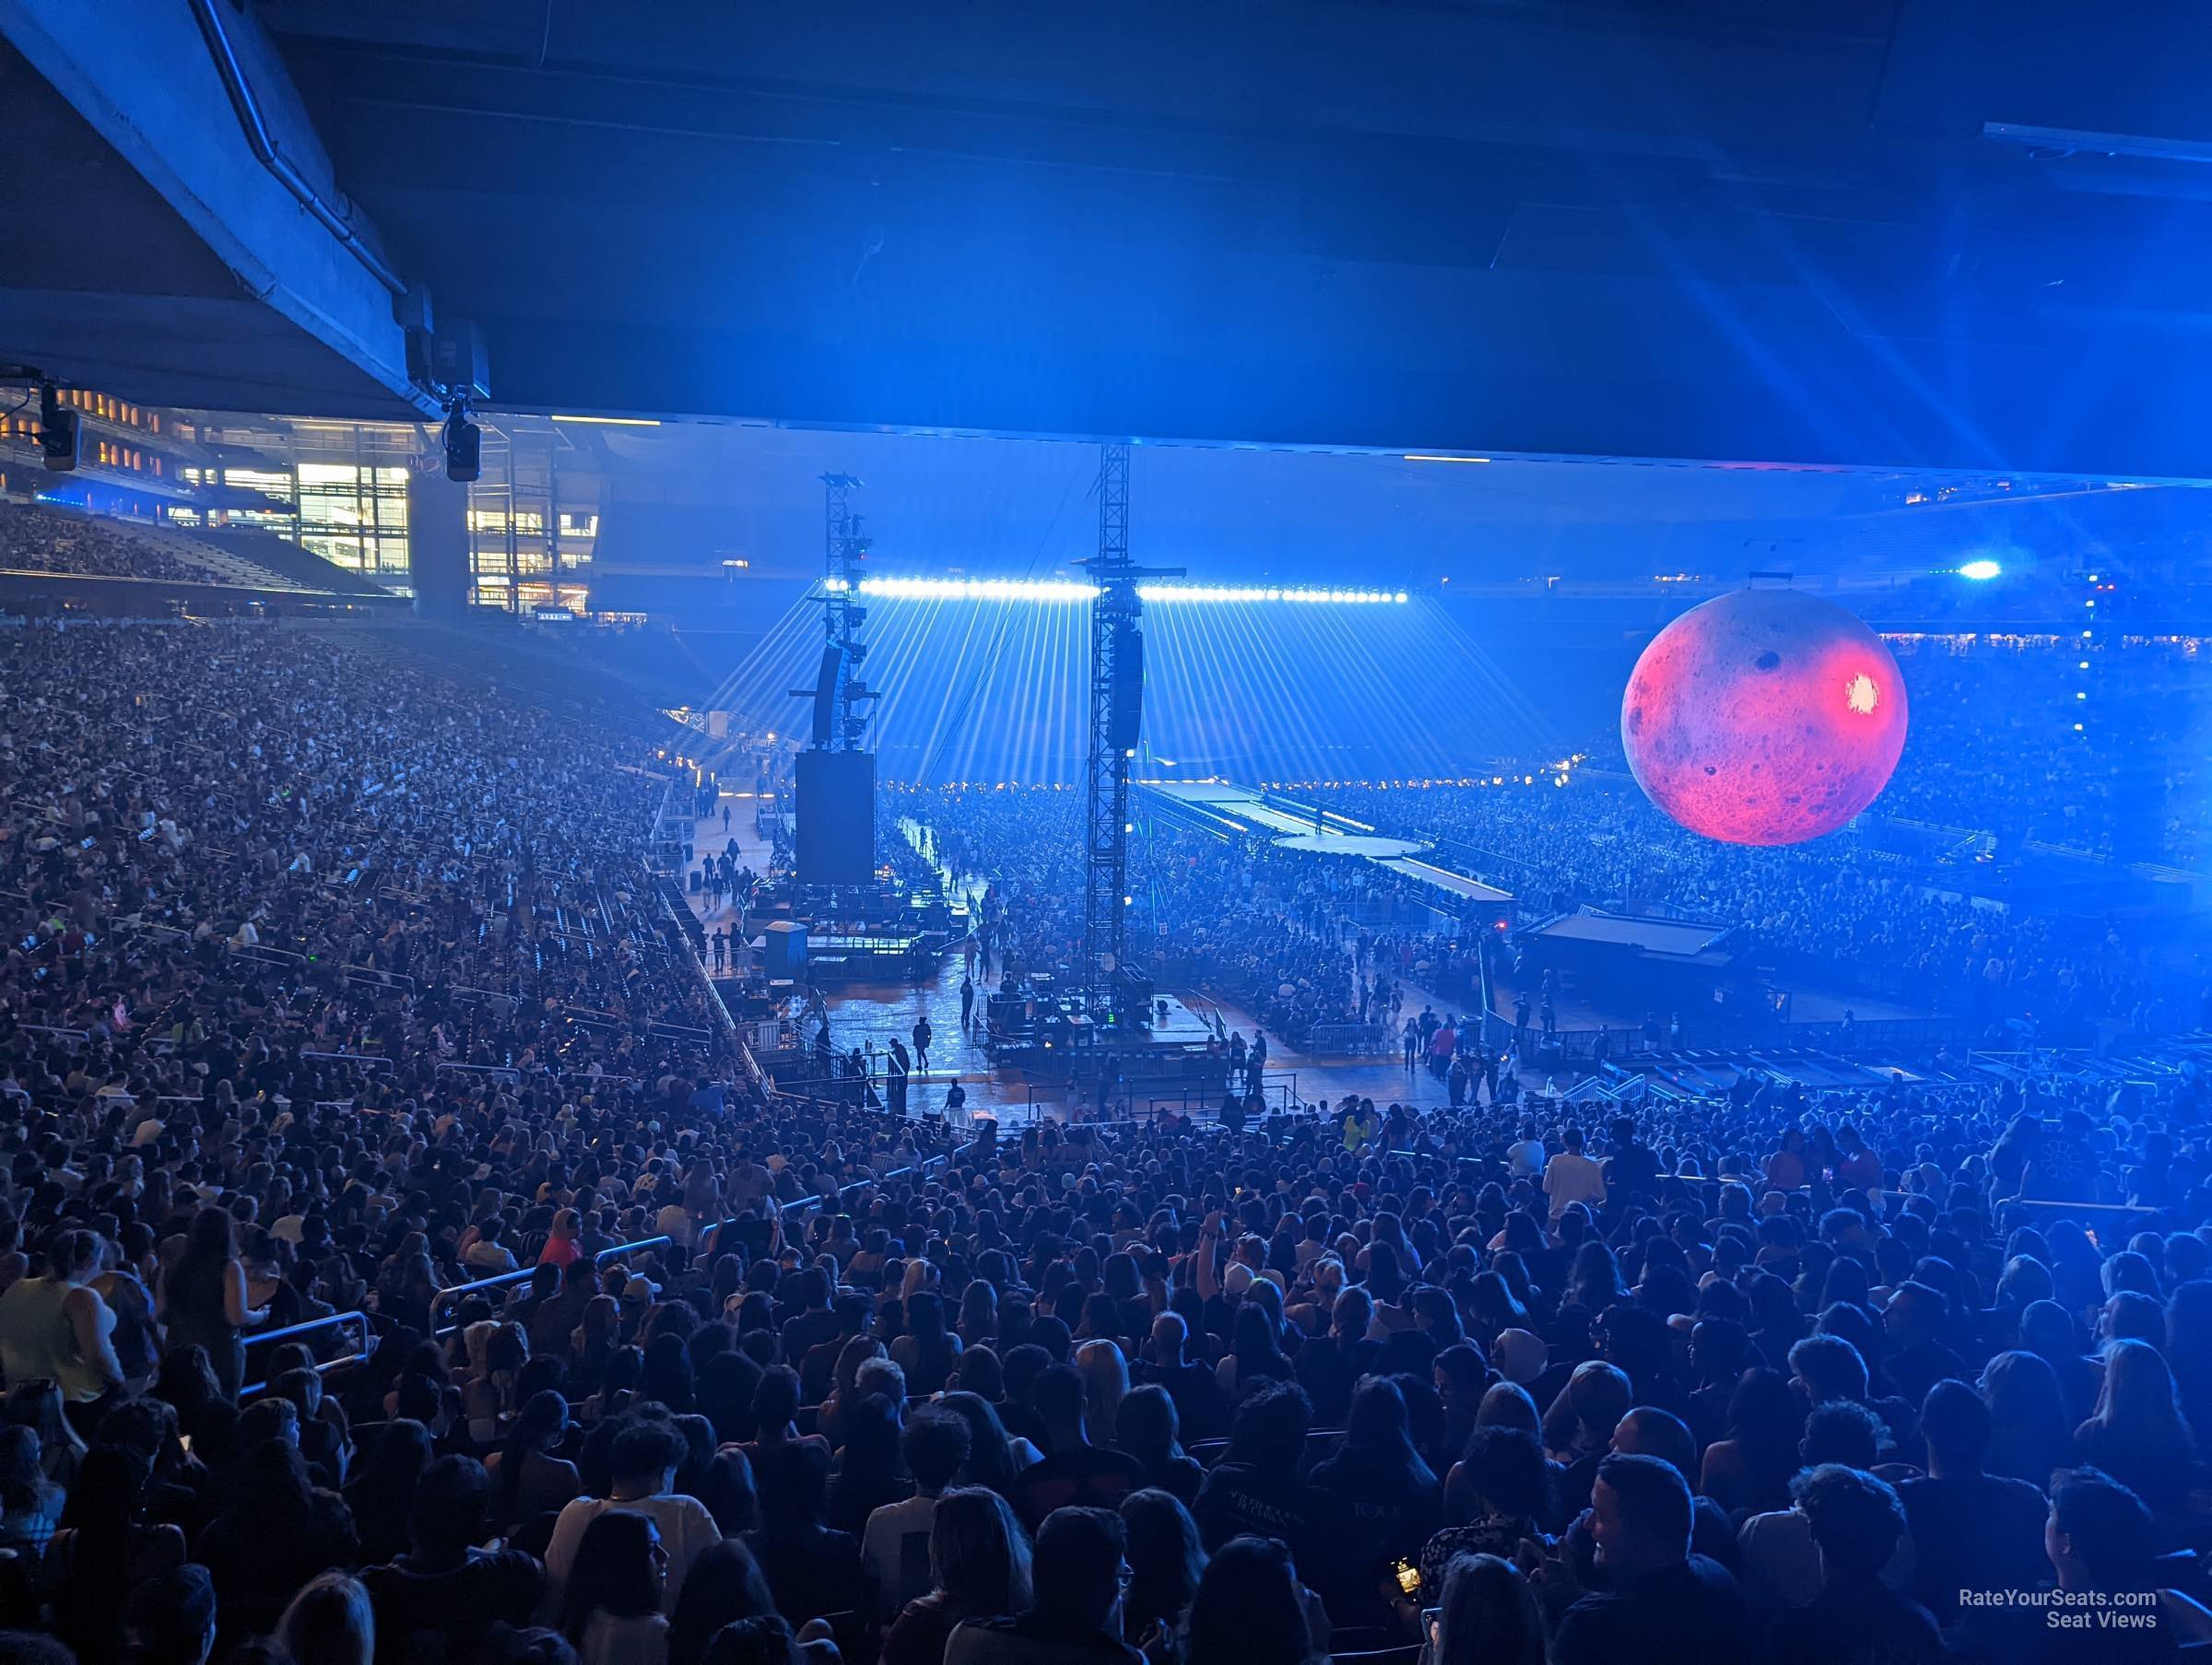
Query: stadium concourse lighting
(1066, 589)
(1979, 570)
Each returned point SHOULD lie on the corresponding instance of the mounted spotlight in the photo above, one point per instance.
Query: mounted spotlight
(463, 445)
(1981, 571)
(59, 433)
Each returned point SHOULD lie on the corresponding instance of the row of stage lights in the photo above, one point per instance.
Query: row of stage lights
(1557, 773)
(2091, 641)
(1064, 590)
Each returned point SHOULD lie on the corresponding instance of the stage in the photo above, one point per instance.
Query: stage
(1228, 810)
(1619, 984)
(869, 1008)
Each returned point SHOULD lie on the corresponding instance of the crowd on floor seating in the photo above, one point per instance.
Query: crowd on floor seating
(395, 1266)
(1843, 915)
(1257, 927)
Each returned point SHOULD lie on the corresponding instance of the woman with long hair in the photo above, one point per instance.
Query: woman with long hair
(1461, 1378)
(928, 1351)
(727, 1384)
(979, 1568)
(844, 1386)
(979, 1315)
(2137, 1433)
(104, 1543)
(1255, 1354)
(497, 1353)
(723, 1586)
(871, 1468)
(328, 1623)
(274, 1533)
(1249, 1609)
(1378, 1472)
(1493, 1309)
(2029, 1434)
(812, 1568)
(1498, 1495)
(1165, 1563)
(2050, 1332)
(612, 1611)
(30, 1505)
(407, 1284)
(204, 1299)
(1105, 1384)
(994, 1457)
(528, 1481)
(1595, 1282)
(2189, 1348)
(1487, 1616)
(1146, 1429)
(775, 1412)
(667, 1377)
(1750, 1466)
(382, 1490)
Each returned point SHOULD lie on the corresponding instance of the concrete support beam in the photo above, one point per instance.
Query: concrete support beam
(140, 73)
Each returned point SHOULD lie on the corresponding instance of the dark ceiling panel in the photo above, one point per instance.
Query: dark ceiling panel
(102, 285)
(1714, 228)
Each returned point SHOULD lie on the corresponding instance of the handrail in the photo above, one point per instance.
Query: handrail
(797, 1206)
(259, 140)
(802, 1203)
(522, 1275)
(312, 1326)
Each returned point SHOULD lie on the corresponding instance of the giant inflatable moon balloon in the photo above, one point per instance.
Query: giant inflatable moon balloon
(1764, 717)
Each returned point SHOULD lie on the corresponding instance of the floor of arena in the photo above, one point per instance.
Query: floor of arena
(870, 1014)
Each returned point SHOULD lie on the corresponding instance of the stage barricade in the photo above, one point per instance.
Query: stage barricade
(1345, 1038)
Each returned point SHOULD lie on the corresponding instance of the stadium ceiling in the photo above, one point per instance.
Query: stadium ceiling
(1901, 233)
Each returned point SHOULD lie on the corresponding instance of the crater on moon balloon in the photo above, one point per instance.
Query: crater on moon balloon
(1764, 717)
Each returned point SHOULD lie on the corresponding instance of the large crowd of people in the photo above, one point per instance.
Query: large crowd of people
(1828, 910)
(395, 1265)
(37, 539)
(1994, 744)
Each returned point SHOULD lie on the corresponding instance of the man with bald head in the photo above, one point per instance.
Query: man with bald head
(1648, 1431)
(1200, 1406)
(1659, 1602)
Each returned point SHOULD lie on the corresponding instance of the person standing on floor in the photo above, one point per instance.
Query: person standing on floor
(895, 1076)
(922, 1036)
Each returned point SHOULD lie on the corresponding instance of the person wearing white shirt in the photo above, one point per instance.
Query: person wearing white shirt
(895, 1543)
(1570, 1176)
(675, 1223)
(1525, 1158)
(487, 1254)
(644, 1459)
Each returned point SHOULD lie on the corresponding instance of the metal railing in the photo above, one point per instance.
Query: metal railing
(506, 1280)
(522, 1275)
(312, 1327)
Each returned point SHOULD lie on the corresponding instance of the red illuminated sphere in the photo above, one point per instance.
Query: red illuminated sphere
(1764, 717)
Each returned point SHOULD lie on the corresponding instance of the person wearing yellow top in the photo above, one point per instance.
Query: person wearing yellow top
(1356, 1133)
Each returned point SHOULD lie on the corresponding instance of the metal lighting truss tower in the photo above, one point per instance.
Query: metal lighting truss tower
(1116, 716)
(842, 615)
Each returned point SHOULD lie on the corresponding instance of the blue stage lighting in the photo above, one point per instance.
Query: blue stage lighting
(1067, 589)
(1980, 571)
